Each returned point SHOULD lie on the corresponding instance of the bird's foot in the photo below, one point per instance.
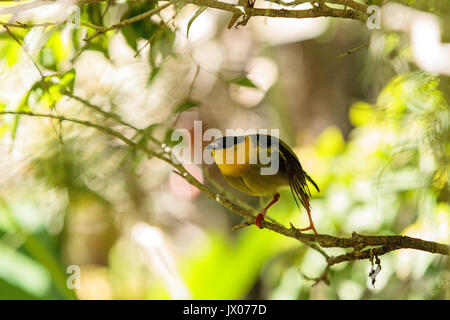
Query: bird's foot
(309, 228)
(259, 218)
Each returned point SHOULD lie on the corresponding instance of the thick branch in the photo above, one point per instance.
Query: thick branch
(322, 11)
(351, 10)
(357, 241)
(126, 22)
(346, 3)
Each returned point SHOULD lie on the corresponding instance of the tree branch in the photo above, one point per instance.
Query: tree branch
(358, 242)
(351, 10)
(319, 11)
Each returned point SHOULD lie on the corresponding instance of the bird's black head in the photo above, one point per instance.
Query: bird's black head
(225, 142)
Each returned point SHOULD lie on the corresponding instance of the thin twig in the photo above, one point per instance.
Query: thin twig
(353, 50)
(12, 35)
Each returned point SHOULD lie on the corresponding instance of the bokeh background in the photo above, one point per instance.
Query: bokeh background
(372, 128)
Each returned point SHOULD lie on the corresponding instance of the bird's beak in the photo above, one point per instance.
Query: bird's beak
(211, 146)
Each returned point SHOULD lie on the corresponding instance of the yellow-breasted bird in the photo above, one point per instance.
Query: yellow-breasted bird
(260, 165)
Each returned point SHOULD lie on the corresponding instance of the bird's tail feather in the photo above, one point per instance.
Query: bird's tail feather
(301, 191)
(297, 177)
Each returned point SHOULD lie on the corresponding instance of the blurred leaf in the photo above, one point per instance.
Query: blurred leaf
(411, 92)
(155, 70)
(391, 43)
(47, 258)
(7, 223)
(94, 13)
(47, 59)
(195, 16)
(11, 292)
(23, 272)
(54, 51)
(130, 36)
(14, 127)
(161, 46)
(222, 269)
(361, 113)
(23, 106)
(68, 80)
(143, 29)
(168, 138)
(10, 50)
(77, 38)
(136, 8)
(330, 142)
(186, 105)
(40, 255)
(244, 82)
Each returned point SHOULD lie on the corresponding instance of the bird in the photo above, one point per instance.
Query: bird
(243, 159)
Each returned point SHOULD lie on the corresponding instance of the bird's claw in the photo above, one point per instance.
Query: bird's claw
(308, 228)
(259, 218)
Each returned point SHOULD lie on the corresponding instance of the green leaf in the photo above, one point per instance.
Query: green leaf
(23, 106)
(95, 14)
(168, 138)
(130, 36)
(222, 256)
(186, 105)
(9, 50)
(11, 292)
(41, 253)
(155, 70)
(54, 52)
(23, 272)
(199, 12)
(136, 8)
(244, 82)
(143, 29)
(77, 38)
(47, 58)
(68, 79)
(330, 142)
(98, 44)
(14, 128)
(161, 46)
(361, 113)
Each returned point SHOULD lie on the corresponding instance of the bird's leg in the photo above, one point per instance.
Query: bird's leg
(311, 224)
(263, 212)
(243, 22)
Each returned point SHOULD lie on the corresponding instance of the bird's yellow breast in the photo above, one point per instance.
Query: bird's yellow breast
(234, 161)
(241, 164)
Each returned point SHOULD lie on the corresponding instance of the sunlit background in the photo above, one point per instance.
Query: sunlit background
(372, 128)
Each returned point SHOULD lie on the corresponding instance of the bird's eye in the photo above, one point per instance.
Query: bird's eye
(211, 146)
